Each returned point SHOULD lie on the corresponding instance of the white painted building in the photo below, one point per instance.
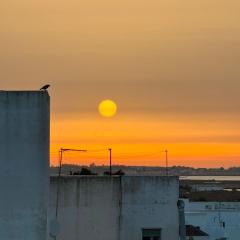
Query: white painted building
(218, 219)
(206, 187)
(24, 160)
(115, 208)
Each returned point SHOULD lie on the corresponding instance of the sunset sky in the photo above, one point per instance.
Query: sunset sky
(172, 67)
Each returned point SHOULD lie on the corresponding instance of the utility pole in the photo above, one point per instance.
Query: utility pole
(166, 152)
(110, 161)
(60, 162)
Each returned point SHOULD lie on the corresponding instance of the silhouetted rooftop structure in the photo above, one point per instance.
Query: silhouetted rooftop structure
(194, 231)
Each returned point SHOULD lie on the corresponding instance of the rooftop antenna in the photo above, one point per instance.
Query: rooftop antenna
(61, 151)
(54, 223)
(110, 161)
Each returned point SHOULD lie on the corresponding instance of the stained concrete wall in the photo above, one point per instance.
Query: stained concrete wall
(149, 202)
(114, 208)
(88, 207)
(24, 159)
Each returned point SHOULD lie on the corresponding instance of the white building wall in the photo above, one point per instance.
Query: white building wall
(149, 203)
(24, 159)
(209, 215)
(88, 207)
(114, 208)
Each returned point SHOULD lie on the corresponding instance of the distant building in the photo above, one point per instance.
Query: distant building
(115, 208)
(206, 187)
(220, 220)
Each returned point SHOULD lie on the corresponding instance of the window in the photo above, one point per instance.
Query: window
(151, 234)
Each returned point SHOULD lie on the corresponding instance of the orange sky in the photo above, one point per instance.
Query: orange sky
(141, 140)
(172, 67)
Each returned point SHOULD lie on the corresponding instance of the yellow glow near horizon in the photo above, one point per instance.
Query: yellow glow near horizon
(139, 141)
(107, 108)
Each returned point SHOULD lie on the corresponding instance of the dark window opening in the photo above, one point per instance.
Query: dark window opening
(151, 234)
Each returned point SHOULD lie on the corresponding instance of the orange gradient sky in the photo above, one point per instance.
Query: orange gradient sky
(171, 66)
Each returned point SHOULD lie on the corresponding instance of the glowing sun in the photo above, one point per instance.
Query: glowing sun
(107, 108)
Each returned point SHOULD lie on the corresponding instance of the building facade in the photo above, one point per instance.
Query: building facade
(24, 159)
(115, 208)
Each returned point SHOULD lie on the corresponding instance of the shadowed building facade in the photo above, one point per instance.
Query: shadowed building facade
(24, 159)
(115, 208)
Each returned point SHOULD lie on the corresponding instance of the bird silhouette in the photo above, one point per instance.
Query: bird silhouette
(45, 87)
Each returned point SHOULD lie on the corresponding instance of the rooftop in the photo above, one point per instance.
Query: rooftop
(194, 231)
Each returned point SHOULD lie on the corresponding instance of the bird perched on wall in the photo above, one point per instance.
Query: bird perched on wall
(45, 87)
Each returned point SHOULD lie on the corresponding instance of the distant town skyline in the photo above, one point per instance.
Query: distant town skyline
(172, 67)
